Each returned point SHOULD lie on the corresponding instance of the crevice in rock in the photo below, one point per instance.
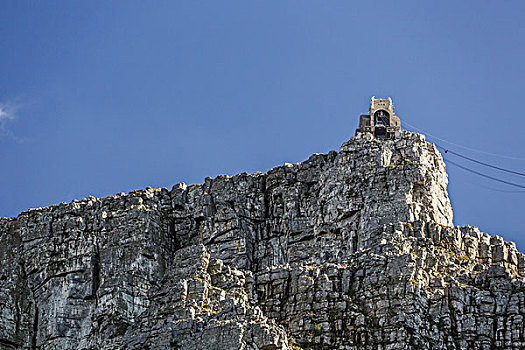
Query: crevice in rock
(198, 222)
(62, 274)
(426, 230)
(494, 338)
(304, 238)
(95, 274)
(8, 344)
(231, 204)
(355, 241)
(35, 329)
(215, 238)
(175, 241)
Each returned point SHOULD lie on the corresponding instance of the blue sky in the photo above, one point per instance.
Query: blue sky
(100, 97)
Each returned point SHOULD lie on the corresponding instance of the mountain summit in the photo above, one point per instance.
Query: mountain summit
(353, 249)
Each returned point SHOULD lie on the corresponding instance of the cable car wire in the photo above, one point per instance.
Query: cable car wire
(461, 146)
(476, 161)
(480, 162)
(484, 175)
(500, 190)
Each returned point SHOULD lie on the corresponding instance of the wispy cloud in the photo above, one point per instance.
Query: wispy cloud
(8, 112)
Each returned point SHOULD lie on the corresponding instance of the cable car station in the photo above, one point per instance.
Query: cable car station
(381, 122)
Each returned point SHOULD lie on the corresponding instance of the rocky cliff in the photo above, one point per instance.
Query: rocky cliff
(347, 250)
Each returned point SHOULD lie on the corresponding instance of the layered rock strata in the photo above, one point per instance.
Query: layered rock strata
(347, 250)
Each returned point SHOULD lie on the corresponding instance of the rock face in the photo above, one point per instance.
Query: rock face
(347, 250)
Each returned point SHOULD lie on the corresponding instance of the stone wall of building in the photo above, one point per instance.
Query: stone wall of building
(347, 250)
